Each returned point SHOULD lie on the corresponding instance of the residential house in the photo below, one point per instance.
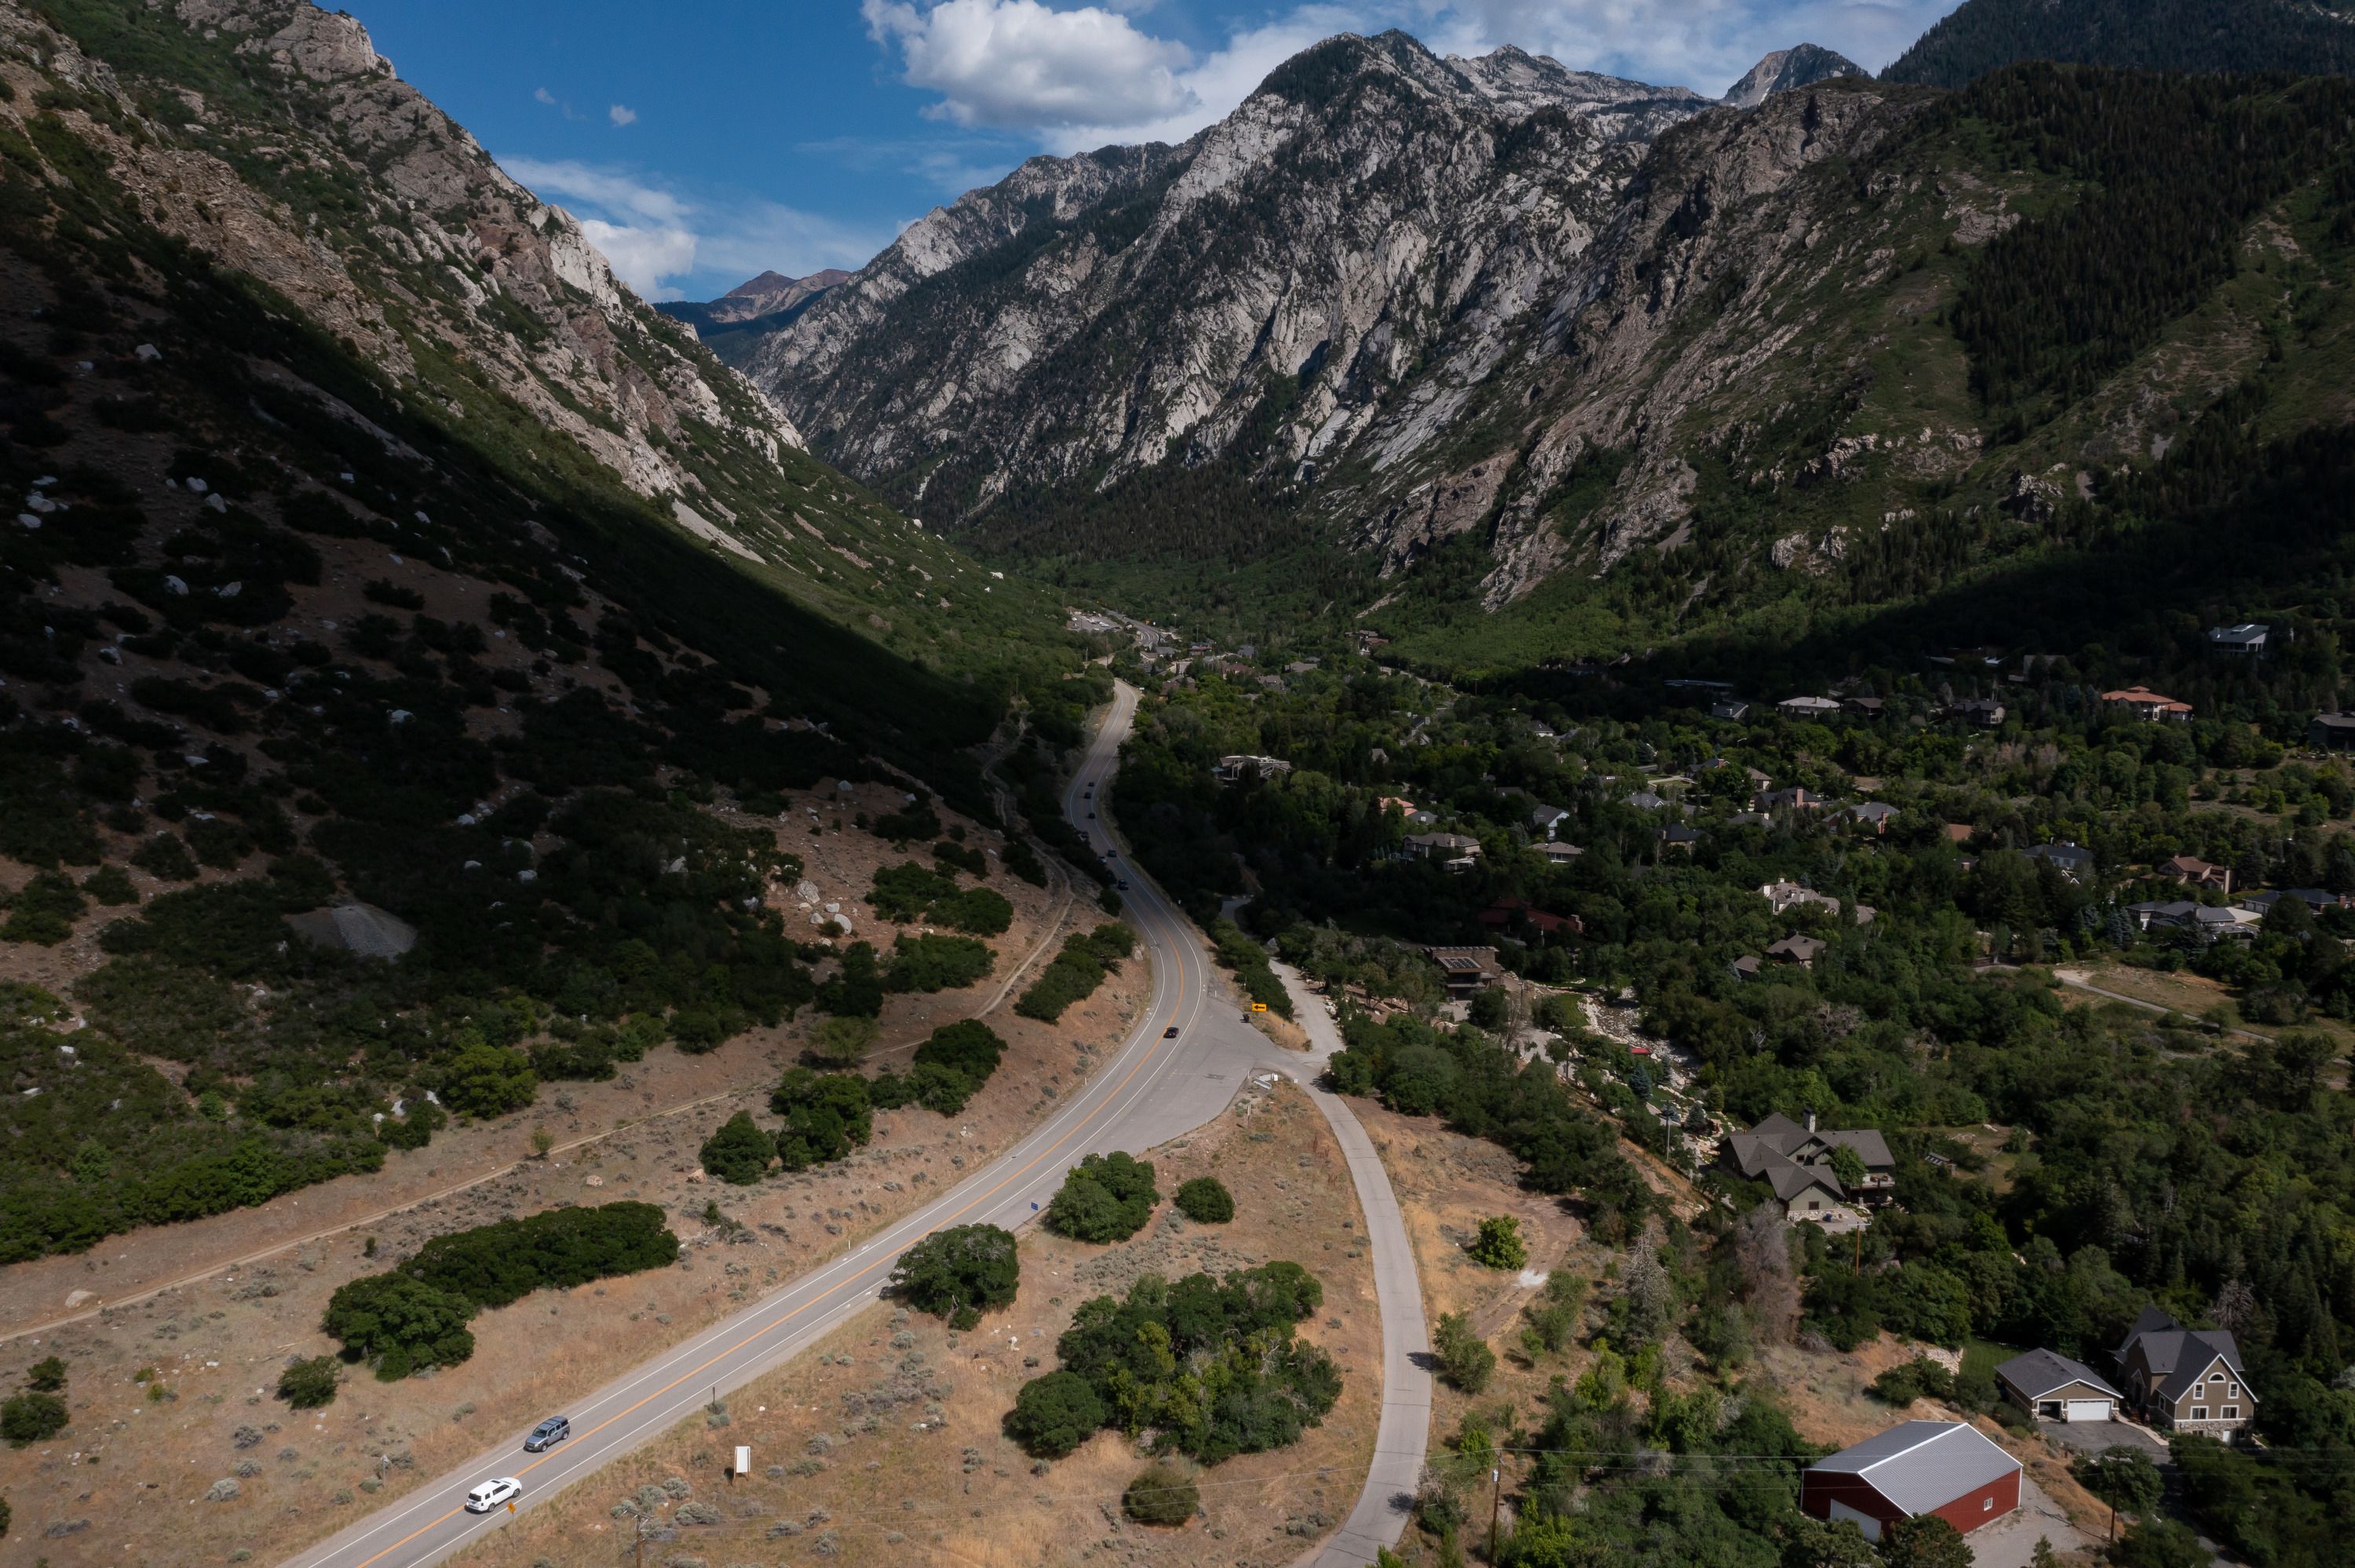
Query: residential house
(1802, 951)
(1677, 836)
(2146, 704)
(1947, 1469)
(2072, 860)
(1467, 969)
(1783, 896)
(2331, 732)
(1504, 912)
(1234, 768)
(1764, 1152)
(1807, 707)
(1873, 814)
(2193, 871)
(2249, 638)
(1747, 966)
(1646, 801)
(2212, 922)
(1732, 708)
(1960, 832)
(1369, 641)
(2187, 1380)
(1865, 707)
(2314, 898)
(2054, 1388)
(1560, 854)
(1455, 851)
(1547, 820)
(1796, 799)
(1985, 711)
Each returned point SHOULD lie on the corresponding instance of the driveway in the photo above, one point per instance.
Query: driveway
(2010, 1542)
(2093, 1437)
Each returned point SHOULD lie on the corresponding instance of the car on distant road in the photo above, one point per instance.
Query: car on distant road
(1170, 1032)
(1123, 886)
(491, 1494)
(548, 1435)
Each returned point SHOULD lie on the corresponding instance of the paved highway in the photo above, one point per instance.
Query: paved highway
(1154, 1088)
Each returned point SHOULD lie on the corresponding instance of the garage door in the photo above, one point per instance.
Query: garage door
(2087, 1410)
(1863, 1522)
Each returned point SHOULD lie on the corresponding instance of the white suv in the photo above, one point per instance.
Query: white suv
(491, 1494)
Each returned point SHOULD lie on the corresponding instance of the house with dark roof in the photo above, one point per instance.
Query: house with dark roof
(2074, 861)
(2331, 732)
(1675, 835)
(1547, 820)
(1793, 1158)
(2052, 1387)
(1505, 912)
(1873, 814)
(1985, 711)
(1467, 969)
(2188, 1380)
(2191, 870)
(1802, 951)
(1943, 1468)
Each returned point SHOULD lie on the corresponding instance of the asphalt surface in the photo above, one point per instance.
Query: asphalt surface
(1152, 1089)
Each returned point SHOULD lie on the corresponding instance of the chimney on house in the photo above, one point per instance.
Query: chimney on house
(1811, 1118)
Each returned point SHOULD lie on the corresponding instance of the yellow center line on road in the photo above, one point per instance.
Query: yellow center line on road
(1177, 949)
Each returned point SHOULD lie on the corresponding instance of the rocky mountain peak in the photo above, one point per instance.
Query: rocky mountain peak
(1783, 71)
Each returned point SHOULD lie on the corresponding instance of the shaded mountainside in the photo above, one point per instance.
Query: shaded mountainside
(2309, 35)
(761, 303)
(366, 542)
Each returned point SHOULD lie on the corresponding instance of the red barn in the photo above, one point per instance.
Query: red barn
(1943, 1468)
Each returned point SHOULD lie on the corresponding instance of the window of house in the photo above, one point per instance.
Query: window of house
(2198, 1412)
(1986, 1504)
(2231, 1412)
(2235, 1390)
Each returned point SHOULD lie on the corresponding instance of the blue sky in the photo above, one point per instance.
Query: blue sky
(703, 145)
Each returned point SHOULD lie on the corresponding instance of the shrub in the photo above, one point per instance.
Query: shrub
(2122, 1476)
(844, 1040)
(1077, 970)
(166, 857)
(980, 910)
(1465, 1359)
(492, 1265)
(400, 1324)
(826, 1115)
(32, 1417)
(47, 1375)
(959, 1272)
(111, 884)
(1105, 1198)
(740, 1152)
(904, 893)
(309, 1384)
(936, 963)
(1205, 1199)
(1926, 1541)
(44, 910)
(487, 1080)
(1919, 1378)
(1161, 1494)
(1499, 1244)
(1054, 1415)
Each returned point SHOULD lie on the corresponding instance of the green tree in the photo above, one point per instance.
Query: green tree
(485, 1080)
(47, 1375)
(1206, 1200)
(1499, 1242)
(1848, 1166)
(2122, 1476)
(958, 1273)
(1465, 1359)
(843, 1041)
(2160, 1543)
(1926, 1541)
(310, 1384)
(1054, 1415)
(32, 1418)
(378, 1316)
(1162, 1494)
(1105, 1198)
(1820, 1543)
(738, 1152)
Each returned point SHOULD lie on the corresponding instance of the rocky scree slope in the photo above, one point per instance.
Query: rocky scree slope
(1254, 294)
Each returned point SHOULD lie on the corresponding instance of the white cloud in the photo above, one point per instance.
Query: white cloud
(544, 96)
(1218, 81)
(659, 238)
(1021, 63)
(620, 115)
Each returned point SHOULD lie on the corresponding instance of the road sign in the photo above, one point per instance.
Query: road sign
(1259, 1007)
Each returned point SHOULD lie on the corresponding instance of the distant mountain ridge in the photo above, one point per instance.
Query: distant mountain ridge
(1787, 70)
(769, 294)
(1981, 36)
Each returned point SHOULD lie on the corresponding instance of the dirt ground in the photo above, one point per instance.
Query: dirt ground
(885, 1445)
(214, 1346)
(841, 864)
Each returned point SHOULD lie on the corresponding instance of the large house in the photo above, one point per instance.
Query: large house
(2074, 861)
(2054, 1388)
(1234, 768)
(1782, 896)
(1807, 707)
(1456, 852)
(1547, 820)
(2146, 704)
(1794, 1160)
(2248, 637)
(1467, 969)
(2189, 1379)
(2331, 732)
(2191, 870)
(1917, 1468)
(2209, 920)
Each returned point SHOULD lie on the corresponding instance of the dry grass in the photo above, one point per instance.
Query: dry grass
(218, 1344)
(885, 1446)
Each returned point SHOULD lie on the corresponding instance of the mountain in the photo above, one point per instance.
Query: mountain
(1247, 300)
(766, 295)
(2302, 35)
(1787, 70)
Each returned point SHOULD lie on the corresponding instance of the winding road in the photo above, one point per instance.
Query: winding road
(1154, 1089)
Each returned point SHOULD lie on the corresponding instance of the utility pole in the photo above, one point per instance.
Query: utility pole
(1496, 1506)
